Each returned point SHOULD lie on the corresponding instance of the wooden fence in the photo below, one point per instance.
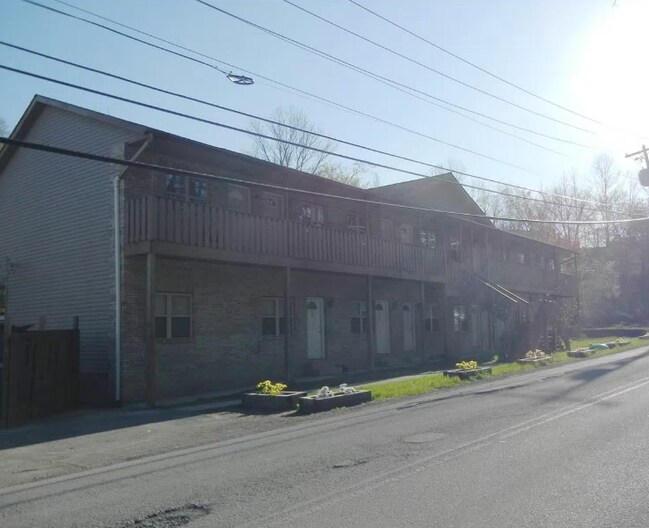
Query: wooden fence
(41, 375)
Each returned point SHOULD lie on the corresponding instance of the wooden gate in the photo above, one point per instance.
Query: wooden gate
(41, 375)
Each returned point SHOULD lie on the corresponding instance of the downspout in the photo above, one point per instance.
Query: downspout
(117, 237)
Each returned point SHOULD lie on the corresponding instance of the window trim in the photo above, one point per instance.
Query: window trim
(312, 220)
(428, 233)
(363, 320)
(278, 316)
(169, 316)
(460, 319)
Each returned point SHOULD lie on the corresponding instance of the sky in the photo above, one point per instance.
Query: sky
(586, 55)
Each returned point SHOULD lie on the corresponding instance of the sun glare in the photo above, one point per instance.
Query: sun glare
(612, 79)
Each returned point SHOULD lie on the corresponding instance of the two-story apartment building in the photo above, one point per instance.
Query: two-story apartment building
(240, 270)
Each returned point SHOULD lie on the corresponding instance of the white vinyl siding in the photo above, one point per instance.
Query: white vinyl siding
(56, 214)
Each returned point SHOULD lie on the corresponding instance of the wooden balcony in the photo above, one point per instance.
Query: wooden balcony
(528, 279)
(176, 228)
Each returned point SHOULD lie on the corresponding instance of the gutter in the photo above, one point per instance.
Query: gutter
(117, 238)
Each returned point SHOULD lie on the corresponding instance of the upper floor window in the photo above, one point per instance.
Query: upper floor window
(272, 204)
(356, 223)
(197, 189)
(173, 315)
(428, 238)
(455, 247)
(238, 198)
(312, 214)
(551, 264)
(521, 258)
(182, 187)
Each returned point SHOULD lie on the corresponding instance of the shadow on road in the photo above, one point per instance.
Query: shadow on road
(589, 375)
(90, 421)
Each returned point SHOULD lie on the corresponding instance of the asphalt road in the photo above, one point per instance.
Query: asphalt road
(559, 447)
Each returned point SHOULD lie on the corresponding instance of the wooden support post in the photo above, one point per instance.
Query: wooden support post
(371, 337)
(288, 324)
(150, 330)
(445, 320)
(6, 369)
(422, 321)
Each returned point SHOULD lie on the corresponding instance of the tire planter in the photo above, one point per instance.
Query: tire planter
(286, 401)
(599, 346)
(466, 374)
(535, 362)
(311, 404)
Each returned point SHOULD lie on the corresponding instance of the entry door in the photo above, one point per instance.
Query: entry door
(405, 233)
(315, 335)
(382, 326)
(409, 339)
(387, 228)
(476, 326)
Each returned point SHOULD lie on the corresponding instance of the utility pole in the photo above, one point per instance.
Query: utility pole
(643, 174)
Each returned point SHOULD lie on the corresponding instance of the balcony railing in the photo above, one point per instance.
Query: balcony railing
(529, 279)
(166, 220)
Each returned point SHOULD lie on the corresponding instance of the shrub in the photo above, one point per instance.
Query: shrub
(536, 354)
(268, 387)
(467, 365)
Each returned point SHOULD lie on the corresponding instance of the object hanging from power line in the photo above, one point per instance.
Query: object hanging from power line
(643, 174)
(240, 79)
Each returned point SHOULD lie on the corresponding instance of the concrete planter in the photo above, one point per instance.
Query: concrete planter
(310, 404)
(580, 353)
(286, 401)
(535, 362)
(466, 374)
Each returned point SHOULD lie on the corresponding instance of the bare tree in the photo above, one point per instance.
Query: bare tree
(291, 155)
(3, 127)
(288, 152)
(605, 178)
(352, 175)
(450, 165)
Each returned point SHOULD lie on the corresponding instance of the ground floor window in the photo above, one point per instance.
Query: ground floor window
(273, 318)
(173, 315)
(359, 322)
(432, 322)
(460, 319)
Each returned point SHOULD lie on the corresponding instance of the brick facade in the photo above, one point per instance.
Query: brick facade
(227, 350)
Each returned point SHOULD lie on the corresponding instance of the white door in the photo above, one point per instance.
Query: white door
(405, 233)
(476, 326)
(315, 335)
(387, 228)
(382, 326)
(409, 339)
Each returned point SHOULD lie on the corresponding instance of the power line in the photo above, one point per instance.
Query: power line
(386, 80)
(166, 170)
(285, 125)
(483, 70)
(221, 107)
(274, 83)
(429, 68)
(299, 145)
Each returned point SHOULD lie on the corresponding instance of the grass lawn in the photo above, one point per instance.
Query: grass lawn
(424, 384)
